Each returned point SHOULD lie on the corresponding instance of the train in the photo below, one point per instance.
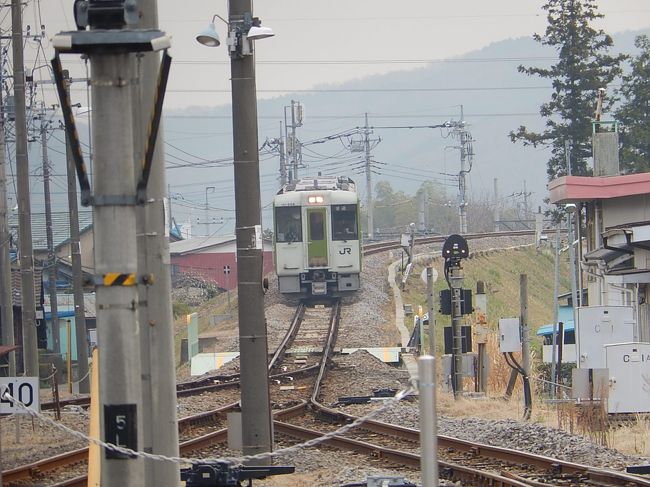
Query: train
(317, 237)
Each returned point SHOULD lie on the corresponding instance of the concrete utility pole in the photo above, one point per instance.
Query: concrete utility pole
(369, 203)
(556, 291)
(116, 254)
(160, 435)
(51, 258)
(77, 273)
(114, 201)
(30, 342)
(7, 317)
(257, 435)
(497, 217)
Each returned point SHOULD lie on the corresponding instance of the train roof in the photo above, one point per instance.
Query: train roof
(320, 183)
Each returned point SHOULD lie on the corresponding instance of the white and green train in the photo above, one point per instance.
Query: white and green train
(317, 237)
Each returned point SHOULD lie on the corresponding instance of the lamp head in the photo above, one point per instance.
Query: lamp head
(570, 208)
(257, 32)
(208, 36)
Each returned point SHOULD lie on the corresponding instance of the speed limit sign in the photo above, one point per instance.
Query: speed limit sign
(23, 389)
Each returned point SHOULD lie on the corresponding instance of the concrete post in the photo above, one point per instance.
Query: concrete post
(116, 252)
(51, 258)
(257, 435)
(160, 425)
(8, 338)
(428, 425)
(77, 273)
(30, 342)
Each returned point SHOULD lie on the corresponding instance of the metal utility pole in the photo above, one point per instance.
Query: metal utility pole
(30, 342)
(6, 302)
(293, 145)
(456, 279)
(283, 161)
(51, 258)
(369, 203)
(77, 272)
(257, 435)
(160, 425)
(466, 155)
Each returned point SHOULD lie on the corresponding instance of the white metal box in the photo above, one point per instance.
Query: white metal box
(601, 325)
(629, 377)
(509, 335)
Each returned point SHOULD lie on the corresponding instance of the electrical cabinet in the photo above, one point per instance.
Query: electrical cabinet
(598, 326)
(629, 377)
(509, 335)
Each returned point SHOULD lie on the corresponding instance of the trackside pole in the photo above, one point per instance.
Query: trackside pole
(428, 426)
(93, 449)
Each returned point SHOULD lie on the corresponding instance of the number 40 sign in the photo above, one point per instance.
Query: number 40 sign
(23, 389)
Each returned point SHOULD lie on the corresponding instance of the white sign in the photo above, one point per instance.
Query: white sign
(23, 389)
(434, 275)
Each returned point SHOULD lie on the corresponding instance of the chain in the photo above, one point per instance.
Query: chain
(386, 404)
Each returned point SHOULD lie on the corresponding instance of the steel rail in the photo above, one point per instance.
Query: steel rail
(289, 336)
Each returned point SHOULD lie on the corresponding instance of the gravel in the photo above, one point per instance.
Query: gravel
(367, 321)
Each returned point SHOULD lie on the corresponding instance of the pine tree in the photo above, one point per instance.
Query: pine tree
(634, 113)
(583, 66)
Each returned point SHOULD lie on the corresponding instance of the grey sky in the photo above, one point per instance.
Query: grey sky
(331, 41)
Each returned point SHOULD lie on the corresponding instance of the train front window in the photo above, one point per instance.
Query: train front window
(344, 222)
(288, 224)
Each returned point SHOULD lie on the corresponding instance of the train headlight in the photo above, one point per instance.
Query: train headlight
(314, 200)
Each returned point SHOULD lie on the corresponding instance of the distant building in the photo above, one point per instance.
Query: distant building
(213, 259)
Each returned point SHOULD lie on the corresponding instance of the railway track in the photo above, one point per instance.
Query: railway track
(468, 462)
(377, 247)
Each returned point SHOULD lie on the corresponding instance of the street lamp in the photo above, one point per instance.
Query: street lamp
(208, 189)
(243, 28)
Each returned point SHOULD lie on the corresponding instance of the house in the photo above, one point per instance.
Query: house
(613, 331)
(212, 258)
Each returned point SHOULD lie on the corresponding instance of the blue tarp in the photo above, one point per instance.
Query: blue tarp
(565, 315)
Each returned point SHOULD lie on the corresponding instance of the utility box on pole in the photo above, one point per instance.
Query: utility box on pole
(509, 335)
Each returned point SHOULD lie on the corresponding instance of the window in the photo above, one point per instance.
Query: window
(316, 225)
(288, 224)
(344, 222)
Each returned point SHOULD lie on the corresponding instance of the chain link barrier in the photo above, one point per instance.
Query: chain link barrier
(386, 404)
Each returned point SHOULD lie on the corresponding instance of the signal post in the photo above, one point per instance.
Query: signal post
(116, 194)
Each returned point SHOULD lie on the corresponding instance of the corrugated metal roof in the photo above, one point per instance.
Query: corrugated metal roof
(60, 227)
(198, 243)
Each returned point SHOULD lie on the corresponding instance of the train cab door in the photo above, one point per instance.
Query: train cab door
(317, 252)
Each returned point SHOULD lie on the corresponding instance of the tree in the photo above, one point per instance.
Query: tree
(583, 67)
(634, 113)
